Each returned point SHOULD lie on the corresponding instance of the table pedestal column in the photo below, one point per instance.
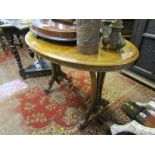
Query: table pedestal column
(97, 80)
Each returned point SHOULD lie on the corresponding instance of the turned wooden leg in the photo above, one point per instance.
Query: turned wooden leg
(17, 57)
(96, 86)
(19, 40)
(18, 60)
(4, 42)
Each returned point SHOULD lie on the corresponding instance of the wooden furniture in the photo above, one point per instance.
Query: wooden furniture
(144, 38)
(58, 30)
(128, 28)
(13, 32)
(97, 65)
(3, 42)
(15, 28)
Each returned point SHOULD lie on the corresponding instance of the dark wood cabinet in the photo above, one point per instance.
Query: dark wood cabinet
(143, 36)
(128, 28)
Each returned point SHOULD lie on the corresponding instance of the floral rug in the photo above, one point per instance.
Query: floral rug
(27, 110)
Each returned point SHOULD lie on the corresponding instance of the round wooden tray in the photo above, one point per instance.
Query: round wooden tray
(54, 30)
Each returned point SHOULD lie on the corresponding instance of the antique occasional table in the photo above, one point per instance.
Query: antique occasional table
(97, 65)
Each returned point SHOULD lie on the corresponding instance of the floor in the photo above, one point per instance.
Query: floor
(25, 109)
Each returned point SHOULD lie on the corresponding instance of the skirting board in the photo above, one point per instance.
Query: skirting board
(139, 78)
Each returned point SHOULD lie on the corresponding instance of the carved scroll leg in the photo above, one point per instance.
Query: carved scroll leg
(83, 123)
(100, 81)
(53, 79)
(62, 75)
(58, 73)
(97, 84)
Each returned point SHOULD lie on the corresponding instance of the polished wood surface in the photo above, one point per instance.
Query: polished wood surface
(68, 55)
(54, 29)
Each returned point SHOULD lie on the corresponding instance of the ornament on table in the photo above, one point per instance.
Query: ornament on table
(88, 35)
(111, 36)
(106, 31)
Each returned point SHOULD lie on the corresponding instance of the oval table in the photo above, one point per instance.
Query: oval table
(97, 65)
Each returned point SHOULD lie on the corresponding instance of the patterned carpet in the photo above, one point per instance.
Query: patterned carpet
(25, 109)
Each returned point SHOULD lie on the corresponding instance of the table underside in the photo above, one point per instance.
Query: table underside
(97, 81)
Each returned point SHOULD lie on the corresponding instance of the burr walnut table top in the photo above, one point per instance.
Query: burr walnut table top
(68, 56)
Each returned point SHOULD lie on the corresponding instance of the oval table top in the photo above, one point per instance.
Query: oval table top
(68, 56)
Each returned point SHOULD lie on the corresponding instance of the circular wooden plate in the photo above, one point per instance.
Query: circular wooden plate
(54, 30)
